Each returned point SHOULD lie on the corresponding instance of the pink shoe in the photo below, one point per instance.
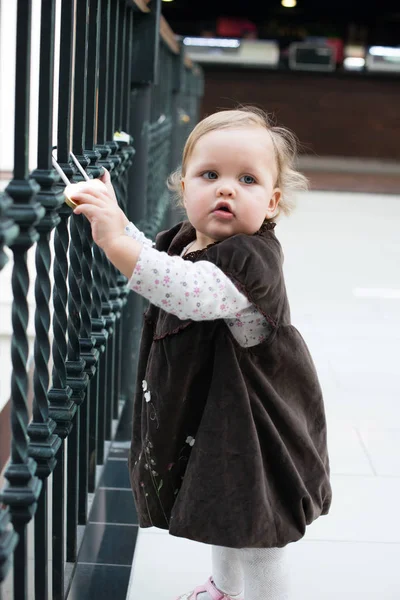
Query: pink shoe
(208, 587)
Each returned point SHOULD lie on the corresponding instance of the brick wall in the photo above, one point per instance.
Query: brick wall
(332, 114)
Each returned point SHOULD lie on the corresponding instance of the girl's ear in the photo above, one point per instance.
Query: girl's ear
(183, 191)
(273, 203)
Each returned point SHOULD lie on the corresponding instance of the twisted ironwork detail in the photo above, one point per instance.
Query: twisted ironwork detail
(19, 355)
(87, 285)
(43, 442)
(8, 542)
(98, 268)
(62, 409)
(74, 281)
(60, 297)
(8, 229)
(8, 538)
(24, 488)
(42, 326)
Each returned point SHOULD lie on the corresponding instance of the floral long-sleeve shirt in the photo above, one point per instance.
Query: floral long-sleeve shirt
(199, 291)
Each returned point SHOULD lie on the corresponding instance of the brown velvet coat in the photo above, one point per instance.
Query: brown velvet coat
(229, 443)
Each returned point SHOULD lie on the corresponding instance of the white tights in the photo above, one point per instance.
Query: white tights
(260, 571)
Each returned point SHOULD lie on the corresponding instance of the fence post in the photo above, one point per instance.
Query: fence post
(144, 75)
(8, 537)
(23, 489)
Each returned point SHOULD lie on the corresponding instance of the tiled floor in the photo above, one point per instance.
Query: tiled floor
(343, 277)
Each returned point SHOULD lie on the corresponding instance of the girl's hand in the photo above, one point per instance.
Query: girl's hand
(96, 200)
(106, 179)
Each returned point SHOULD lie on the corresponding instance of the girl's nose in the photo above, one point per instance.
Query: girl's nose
(225, 190)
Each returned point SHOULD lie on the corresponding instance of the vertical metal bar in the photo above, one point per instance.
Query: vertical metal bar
(125, 151)
(116, 386)
(92, 75)
(136, 212)
(44, 443)
(103, 81)
(103, 392)
(8, 537)
(65, 86)
(112, 89)
(121, 92)
(90, 355)
(102, 145)
(77, 379)
(83, 457)
(96, 432)
(120, 64)
(87, 351)
(41, 537)
(72, 487)
(92, 88)
(126, 101)
(80, 69)
(58, 555)
(112, 67)
(80, 253)
(110, 400)
(8, 542)
(23, 488)
(93, 425)
(105, 319)
(62, 407)
(126, 106)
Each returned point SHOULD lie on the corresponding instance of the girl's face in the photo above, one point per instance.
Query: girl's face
(228, 186)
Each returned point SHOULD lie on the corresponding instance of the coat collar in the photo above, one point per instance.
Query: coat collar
(186, 233)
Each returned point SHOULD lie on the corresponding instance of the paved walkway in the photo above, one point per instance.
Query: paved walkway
(342, 268)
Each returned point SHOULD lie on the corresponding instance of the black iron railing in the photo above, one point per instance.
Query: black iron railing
(127, 95)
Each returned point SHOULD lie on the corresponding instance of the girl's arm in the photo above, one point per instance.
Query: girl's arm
(96, 200)
(198, 291)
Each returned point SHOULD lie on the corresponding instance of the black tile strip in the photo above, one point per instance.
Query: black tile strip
(116, 452)
(99, 581)
(115, 474)
(124, 429)
(113, 506)
(108, 544)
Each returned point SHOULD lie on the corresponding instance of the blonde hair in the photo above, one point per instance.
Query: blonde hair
(285, 143)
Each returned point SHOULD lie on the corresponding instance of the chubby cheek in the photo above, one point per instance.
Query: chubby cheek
(195, 215)
(195, 205)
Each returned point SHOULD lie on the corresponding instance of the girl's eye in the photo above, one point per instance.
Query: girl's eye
(247, 179)
(210, 175)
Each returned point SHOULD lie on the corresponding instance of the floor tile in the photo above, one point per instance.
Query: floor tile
(99, 581)
(372, 409)
(347, 454)
(344, 571)
(383, 446)
(108, 544)
(118, 452)
(115, 475)
(180, 566)
(364, 509)
(113, 506)
(316, 570)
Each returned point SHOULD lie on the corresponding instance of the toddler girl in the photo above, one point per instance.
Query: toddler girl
(229, 432)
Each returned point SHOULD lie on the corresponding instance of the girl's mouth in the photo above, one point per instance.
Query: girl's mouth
(223, 211)
(223, 214)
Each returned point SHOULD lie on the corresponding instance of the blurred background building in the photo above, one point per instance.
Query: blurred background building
(330, 71)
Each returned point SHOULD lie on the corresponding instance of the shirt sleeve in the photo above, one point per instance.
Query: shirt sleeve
(199, 291)
(132, 231)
